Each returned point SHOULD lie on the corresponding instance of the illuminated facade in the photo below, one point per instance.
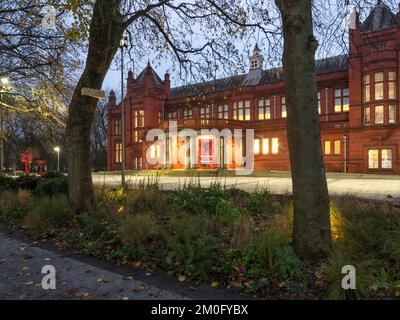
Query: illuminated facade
(358, 101)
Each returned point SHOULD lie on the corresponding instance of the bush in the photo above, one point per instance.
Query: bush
(52, 175)
(48, 213)
(135, 231)
(148, 200)
(52, 186)
(27, 182)
(101, 226)
(262, 249)
(7, 183)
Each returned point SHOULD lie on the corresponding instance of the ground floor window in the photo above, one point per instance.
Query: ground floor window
(118, 152)
(327, 147)
(275, 145)
(337, 147)
(380, 159)
(265, 146)
(256, 146)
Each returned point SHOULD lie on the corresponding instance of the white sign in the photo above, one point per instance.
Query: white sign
(94, 93)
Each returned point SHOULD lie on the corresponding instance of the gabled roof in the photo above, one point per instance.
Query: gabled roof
(380, 17)
(142, 76)
(328, 65)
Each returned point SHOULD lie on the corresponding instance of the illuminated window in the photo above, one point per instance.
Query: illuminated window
(367, 88)
(386, 159)
(327, 147)
(256, 146)
(392, 114)
(223, 112)
(367, 116)
(373, 159)
(172, 115)
(247, 110)
(205, 112)
(141, 118)
(319, 102)
(265, 146)
(241, 110)
(275, 145)
(118, 152)
(117, 126)
(283, 107)
(264, 109)
(392, 85)
(187, 114)
(342, 100)
(379, 86)
(154, 151)
(336, 147)
(159, 118)
(379, 119)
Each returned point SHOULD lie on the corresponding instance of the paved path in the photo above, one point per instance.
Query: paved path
(366, 187)
(20, 277)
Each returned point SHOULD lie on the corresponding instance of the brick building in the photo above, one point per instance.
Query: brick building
(358, 101)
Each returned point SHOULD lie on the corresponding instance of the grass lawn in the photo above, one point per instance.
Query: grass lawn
(222, 236)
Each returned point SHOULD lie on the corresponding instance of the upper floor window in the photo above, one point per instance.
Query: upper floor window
(367, 116)
(392, 85)
(241, 110)
(205, 112)
(319, 102)
(138, 118)
(379, 86)
(159, 117)
(117, 126)
(367, 88)
(187, 114)
(172, 115)
(379, 115)
(283, 107)
(392, 114)
(342, 100)
(223, 111)
(264, 109)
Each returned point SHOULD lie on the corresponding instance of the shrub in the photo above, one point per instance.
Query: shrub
(226, 210)
(286, 262)
(151, 200)
(263, 247)
(331, 274)
(7, 183)
(48, 213)
(135, 231)
(101, 226)
(52, 175)
(27, 182)
(52, 186)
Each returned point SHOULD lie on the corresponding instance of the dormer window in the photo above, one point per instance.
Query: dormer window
(256, 59)
(254, 64)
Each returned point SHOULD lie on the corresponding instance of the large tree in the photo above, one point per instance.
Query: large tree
(169, 27)
(311, 226)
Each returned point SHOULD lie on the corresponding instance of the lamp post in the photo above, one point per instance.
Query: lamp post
(3, 82)
(123, 44)
(57, 149)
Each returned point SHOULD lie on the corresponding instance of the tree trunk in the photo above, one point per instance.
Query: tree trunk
(104, 37)
(311, 225)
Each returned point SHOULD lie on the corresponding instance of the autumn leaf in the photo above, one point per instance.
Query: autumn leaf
(182, 278)
(214, 284)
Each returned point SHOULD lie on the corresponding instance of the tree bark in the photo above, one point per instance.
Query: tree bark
(311, 225)
(106, 30)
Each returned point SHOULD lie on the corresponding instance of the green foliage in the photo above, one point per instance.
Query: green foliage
(7, 183)
(150, 200)
(52, 186)
(262, 249)
(27, 182)
(136, 230)
(52, 175)
(48, 213)
(286, 262)
(226, 210)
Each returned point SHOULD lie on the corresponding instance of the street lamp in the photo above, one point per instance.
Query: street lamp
(57, 149)
(3, 82)
(123, 44)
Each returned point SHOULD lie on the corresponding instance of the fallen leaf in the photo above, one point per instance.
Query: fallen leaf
(70, 293)
(140, 288)
(29, 283)
(182, 278)
(125, 298)
(8, 293)
(214, 284)
(87, 296)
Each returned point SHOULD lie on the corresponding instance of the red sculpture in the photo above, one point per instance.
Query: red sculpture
(26, 159)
